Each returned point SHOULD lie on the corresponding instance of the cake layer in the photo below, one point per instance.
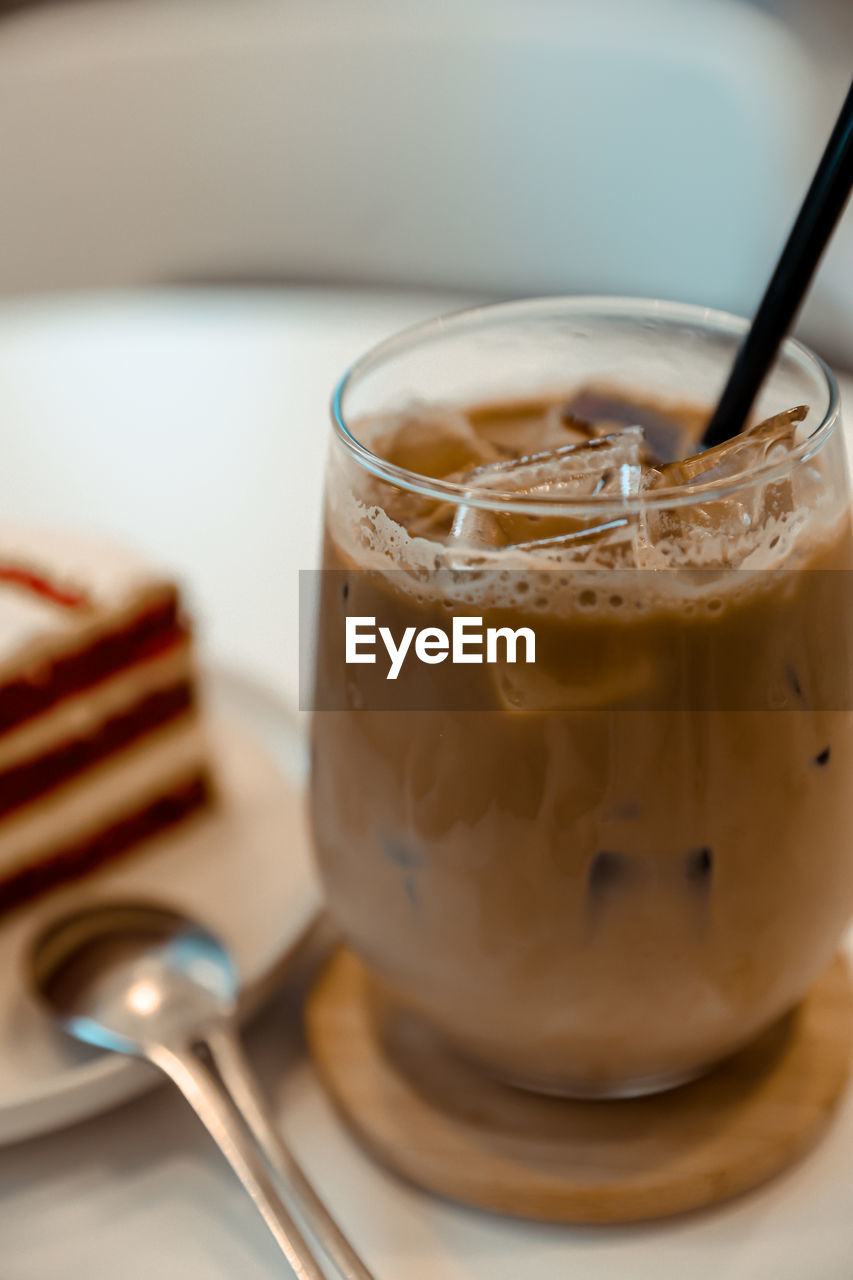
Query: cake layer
(101, 743)
(82, 714)
(89, 657)
(125, 834)
(37, 778)
(103, 796)
(82, 730)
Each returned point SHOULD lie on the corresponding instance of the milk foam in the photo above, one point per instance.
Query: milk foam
(561, 584)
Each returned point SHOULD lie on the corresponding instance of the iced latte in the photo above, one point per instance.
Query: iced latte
(602, 871)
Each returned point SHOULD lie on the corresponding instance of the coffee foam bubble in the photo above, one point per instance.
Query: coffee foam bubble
(430, 572)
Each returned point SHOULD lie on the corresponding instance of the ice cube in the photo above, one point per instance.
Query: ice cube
(722, 531)
(750, 449)
(516, 430)
(607, 545)
(475, 527)
(608, 466)
(552, 684)
(432, 520)
(432, 442)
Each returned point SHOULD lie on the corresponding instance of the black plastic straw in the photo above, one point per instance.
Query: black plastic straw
(815, 223)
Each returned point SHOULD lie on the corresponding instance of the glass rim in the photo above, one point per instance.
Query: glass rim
(626, 308)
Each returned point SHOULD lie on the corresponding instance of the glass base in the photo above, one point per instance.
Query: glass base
(600, 1090)
(578, 1089)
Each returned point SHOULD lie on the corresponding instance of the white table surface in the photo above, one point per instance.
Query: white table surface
(196, 425)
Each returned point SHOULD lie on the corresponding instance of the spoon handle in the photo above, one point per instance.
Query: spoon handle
(217, 1111)
(239, 1079)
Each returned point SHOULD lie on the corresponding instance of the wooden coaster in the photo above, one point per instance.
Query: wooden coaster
(430, 1116)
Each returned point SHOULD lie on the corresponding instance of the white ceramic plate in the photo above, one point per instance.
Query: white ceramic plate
(244, 869)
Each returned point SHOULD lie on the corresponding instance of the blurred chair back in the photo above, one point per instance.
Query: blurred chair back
(656, 148)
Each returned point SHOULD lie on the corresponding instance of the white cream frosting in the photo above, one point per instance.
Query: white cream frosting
(115, 582)
(106, 572)
(25, 617)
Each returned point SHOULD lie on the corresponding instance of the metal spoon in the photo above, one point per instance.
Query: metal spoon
(142, 980)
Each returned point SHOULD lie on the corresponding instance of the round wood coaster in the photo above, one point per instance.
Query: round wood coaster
(441, 1123)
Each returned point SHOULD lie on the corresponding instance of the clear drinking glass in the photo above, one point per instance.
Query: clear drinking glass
(600, 873)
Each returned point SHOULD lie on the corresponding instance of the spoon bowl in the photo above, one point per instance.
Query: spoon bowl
(141, 979)
(126, 976)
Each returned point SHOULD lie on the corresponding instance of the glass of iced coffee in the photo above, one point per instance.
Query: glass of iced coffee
(583, 734)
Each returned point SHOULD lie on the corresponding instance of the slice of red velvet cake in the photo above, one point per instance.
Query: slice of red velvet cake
(101, 741)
